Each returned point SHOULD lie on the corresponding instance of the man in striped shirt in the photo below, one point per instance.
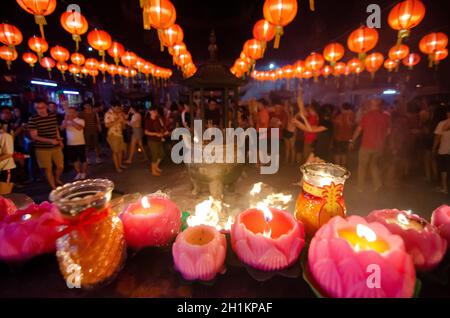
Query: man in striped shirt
(48, 144)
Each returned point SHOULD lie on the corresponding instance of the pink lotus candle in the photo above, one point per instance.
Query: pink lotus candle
(441, 220)
(267, 239)
(422, 240)
(199, 252)
(154, 221)
(351, 258)
(29, 232)
(7, 207)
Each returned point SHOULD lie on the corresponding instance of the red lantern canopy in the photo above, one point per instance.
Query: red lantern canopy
(254, 49)
(48, 63)
(411, 60)
(333, 52)
(29, 58)
(373, 63)
(91, 64)
(362, 40)
(172, 35)
(38, 45)
(8, 54)
(62, 67)
(59, 53)
(405, 16)
(263, 31)
(76, 24)
(116, 50)
(99, 40)
(39, 8)
(77, 59)
(431, 43)
(128, 59)
(398, 52)
(279, 13)
(10, 35)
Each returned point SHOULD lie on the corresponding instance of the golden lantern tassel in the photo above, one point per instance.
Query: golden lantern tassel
(8, 64)
(63, 76)
(77, 39)
(278, 34)
(104, 77)
(49, 73)
(312, 6)
(160, 41)
(116, 59)
(40, 20)
(430, 61)
(93, 79)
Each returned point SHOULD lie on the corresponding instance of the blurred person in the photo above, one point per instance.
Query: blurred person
(344, 124)
(441, 148)
(92, 130)
(324, 139)
(7, 164)
(155, 132)
(186, 116)
(309, 138)
(289, 134)
(114, 122)
(137, 135)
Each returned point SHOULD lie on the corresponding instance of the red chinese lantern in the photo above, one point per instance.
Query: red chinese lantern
(62, 67)
(183, 59)
(74, 69)
(94, 74)
(116, 50)
(264, 31)
(288, 71)
(315, 62)
(299, 67)
(59, 53)
(139, 64)
(77, 59)
(48, 63)
(411, 60)
(103, 67)
(39, 8)
(254, 49)
(8, 54)
(38, 45)
(112, 70)
(362, 40)
(333, 52)
(405, 16)
(178, 49)
(373, 63)
(307, 74)
(147, 70)
(279, 13)
(439, 55)
(355, 65)
(159, 14)
(398, 52)
(339, 69)
(99, 40)
(390, 65)
(30, 58)
(91, 64)
(431, 43)
(85, 71)
(172, 35)
(76, 24)
(327, 71)
(10, 35)
(128, 59)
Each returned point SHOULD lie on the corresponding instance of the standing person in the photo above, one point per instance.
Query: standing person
(344, 124)
(289, 134)
(92, 130)
(324, 139)
(310, 137)
(441, 147)
(137, 135)
(375, 127)
(44, 131)
(6, 159)
(154, 130)
(186, 117)
(114, 122)
(76, 145)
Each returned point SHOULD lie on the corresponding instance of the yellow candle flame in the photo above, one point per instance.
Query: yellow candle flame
(145, 203)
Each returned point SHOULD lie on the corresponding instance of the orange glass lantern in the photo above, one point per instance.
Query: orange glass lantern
(38, 45)
(39, 8)
(128, 59)
(30, 58)
(99, 40)
(431, 43)
(254, 49)
(48, 63)
(62, 67)
(172, 35)
(76, 24)
(411, 60)
(91, 64)
(405, 16)
(362, 40)
(8, 54)
(279, 13)
(59, 53)
(77, 59)
(373, 63)
(116, 50)
(315, 62)
(398, 52)
(10, 35)
(333, 52)
(439, 55)
(264, 31)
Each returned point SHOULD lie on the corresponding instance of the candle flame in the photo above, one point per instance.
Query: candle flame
(366, 232)
(402, 219)
(256, 188)
(208, 212)
(145, 203)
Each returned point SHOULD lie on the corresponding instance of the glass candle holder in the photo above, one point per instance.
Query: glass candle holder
(321, 197)
(91, 248)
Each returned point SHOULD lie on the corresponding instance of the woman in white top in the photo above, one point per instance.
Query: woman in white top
(6, 159)
(138, 133)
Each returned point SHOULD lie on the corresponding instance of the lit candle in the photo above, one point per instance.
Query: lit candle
(267, 239)
(422, 240)
(199, 252)
(441, 220)
(154, 221)
(351, 258)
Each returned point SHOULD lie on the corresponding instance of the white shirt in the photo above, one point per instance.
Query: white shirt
(443, 130)
(6, 147)
(75, 137)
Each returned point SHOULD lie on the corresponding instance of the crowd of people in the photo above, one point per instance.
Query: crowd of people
(392, 141)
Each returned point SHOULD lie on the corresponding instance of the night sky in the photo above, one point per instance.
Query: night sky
(233, 21)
